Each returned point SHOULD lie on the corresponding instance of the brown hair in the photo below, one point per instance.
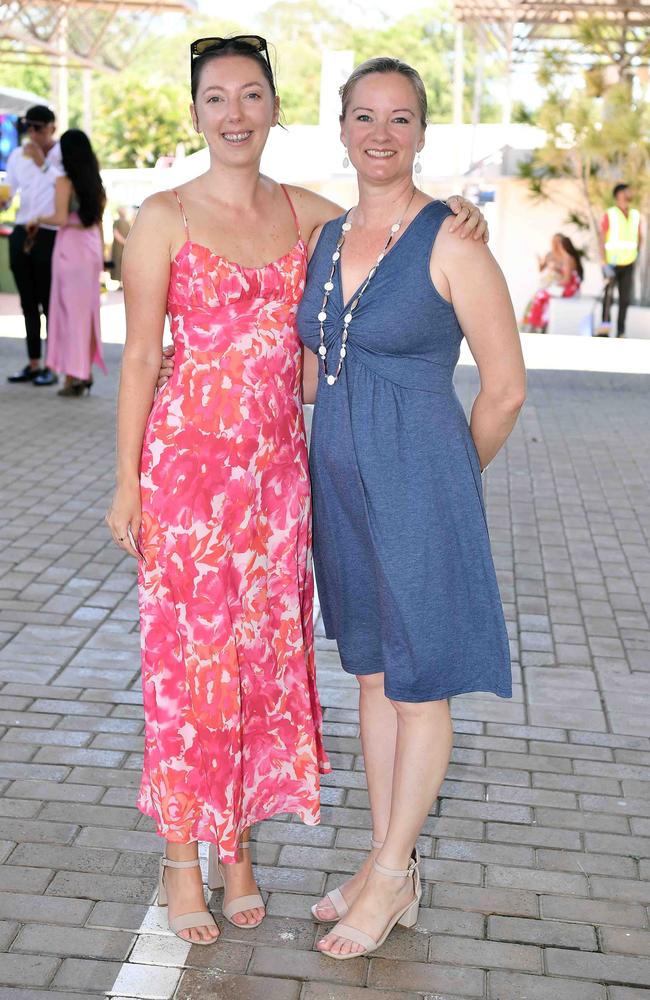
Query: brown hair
(385, 64)
(573, 252)
(234, 47)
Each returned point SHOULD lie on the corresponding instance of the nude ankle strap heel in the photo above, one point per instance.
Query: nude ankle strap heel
(185, 921)
(215, 871)
(335, 897)
(406, 917)
(216, 880)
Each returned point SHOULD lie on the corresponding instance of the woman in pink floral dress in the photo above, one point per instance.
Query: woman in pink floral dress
(213, 496)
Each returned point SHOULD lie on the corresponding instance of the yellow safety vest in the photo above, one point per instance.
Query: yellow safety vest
(622, 244)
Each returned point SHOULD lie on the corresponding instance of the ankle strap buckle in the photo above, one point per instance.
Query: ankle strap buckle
(395, 873)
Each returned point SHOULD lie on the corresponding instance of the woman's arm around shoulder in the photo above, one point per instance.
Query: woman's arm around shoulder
(467, 275)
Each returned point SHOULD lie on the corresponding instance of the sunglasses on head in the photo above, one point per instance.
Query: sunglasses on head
(201, 46)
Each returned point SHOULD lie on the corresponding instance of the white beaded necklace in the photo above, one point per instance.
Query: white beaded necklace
(329, 286)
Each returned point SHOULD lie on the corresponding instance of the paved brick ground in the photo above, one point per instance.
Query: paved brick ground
(538, 857)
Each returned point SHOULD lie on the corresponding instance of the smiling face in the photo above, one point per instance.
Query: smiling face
(382, 127)
(234, 108)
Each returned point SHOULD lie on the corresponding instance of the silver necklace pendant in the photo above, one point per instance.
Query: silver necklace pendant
(332, 378)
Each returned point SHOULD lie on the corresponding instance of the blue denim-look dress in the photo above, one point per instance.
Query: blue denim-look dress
(401, 548)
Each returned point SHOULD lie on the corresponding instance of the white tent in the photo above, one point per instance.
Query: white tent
(16, 102)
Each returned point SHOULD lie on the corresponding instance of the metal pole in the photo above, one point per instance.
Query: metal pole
(62, 108)
(459, 82)
(459, 75)
(507, 100)
(478, 88)
(86, 86)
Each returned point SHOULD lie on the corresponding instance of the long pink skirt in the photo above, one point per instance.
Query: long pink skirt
(73, 332)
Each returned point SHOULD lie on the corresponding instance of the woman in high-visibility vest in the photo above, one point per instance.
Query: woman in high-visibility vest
(620, 232)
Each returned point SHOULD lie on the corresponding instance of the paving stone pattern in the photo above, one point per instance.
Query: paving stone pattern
(537, 857)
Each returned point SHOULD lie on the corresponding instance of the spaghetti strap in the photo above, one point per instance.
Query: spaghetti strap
(293, 211)
(180, 205)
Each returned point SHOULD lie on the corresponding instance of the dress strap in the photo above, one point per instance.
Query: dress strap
(180, 205)
(293, 211)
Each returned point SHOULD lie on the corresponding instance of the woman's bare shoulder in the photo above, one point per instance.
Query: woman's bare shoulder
(160, 207)
(159, 217)
(158, 226)
(313, 209)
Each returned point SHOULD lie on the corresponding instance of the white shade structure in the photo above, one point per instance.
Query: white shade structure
(16, 102)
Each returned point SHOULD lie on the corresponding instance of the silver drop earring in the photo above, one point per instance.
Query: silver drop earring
(418, 166)
(346, 161)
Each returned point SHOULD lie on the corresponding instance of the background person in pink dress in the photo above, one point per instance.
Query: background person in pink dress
(213, 495)
(74, 340)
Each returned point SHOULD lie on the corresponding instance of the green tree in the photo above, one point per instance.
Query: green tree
(145, 123)
(596, 136)
(299, 32)
(426, 41)
(24, 76)
(143, 112)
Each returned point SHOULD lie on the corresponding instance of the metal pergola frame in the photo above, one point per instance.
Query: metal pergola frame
(518, 29)
(31, 30)
(630, 13)
(75, 34)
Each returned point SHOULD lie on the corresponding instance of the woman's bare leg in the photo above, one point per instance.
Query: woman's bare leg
(185, 890)
(424, 743)
(378, 735)
(240, 881)
(93, 350)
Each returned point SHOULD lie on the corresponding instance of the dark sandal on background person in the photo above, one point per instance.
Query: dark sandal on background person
(184, 921)
(76, 388)
(216, 880)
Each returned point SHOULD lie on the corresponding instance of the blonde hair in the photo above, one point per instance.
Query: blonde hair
(385, 64)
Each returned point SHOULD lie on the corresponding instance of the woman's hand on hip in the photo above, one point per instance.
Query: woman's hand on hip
(124, 518)
(469, 217)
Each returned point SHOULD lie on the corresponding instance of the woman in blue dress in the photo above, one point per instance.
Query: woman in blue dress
(401, 549)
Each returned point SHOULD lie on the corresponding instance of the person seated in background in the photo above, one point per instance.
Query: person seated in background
(561, 277)
(121, 228)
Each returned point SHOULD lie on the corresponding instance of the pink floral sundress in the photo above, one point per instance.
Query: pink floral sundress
(232, 716)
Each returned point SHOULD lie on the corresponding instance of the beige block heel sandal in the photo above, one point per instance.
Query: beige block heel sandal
(216, 880)
(335, 897)
(185, 921)
(406, 917)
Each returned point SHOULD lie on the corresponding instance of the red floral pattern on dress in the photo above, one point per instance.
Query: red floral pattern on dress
(232, 716)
